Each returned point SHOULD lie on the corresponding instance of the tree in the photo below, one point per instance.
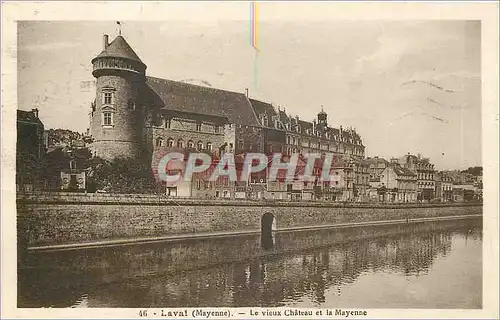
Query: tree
(121, 176)
(476, 171)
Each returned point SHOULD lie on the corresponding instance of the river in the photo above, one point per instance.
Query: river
(426, 265)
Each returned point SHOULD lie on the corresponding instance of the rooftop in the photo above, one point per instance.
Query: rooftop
(119, 48)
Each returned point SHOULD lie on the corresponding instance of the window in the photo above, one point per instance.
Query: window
(198, 126)
(72, 164)
(216, 129)
(209, 146)
(168, 123)
(170, 142)
(198, 184)
(108, 98)
(180, 143)
(108, 118)
(131, 105)
(240, 144)
(199, 145)
(159, 142)
(190, 144)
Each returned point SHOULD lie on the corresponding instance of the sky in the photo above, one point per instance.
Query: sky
(405, 86)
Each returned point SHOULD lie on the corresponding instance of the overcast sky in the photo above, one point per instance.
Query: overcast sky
(405, 86)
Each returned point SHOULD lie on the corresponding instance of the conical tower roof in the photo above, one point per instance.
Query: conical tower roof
(119, 48)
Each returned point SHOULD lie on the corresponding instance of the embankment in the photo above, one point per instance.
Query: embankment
(59, 219)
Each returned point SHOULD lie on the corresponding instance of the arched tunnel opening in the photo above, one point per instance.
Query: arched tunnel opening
(268, 223)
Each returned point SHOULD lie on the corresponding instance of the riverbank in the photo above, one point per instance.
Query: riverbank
(51, 220)
(228, 234)
(163, 200)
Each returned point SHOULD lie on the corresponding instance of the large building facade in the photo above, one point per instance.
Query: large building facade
(135, 115)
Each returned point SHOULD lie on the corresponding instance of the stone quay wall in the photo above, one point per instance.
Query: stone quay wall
(51, 219)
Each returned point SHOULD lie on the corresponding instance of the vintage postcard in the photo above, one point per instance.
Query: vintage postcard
(249, 160)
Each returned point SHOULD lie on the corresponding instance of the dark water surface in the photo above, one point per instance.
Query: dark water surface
(426, 265)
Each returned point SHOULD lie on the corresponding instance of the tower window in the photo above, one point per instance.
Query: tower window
(209, 146)
(108, 98)
(216, 129)
(168, 122)
(190, 144)
(198, 126)
(200, 145)
(107, 118)
(180, 143)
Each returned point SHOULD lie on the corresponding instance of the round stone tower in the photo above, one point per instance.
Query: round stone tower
(116, 122)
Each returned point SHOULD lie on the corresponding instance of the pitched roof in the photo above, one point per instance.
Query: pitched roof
(376, 160)
(190, 98)
(403, 171)
(119, 48)
(27, 116)
(263, 108)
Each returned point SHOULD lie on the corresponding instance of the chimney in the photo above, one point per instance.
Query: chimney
(35, 112)
(105, 41)
(246, 92)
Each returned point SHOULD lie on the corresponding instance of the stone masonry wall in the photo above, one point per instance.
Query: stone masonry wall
(49, 223)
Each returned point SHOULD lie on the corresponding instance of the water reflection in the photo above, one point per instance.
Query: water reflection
(312, 277)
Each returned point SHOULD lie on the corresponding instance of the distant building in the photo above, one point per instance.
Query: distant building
(376, 166)
(30, 151)
(444, 187)
(425, 174)
(400, 184)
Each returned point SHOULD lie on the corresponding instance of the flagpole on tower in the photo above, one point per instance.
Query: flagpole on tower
(119, 28)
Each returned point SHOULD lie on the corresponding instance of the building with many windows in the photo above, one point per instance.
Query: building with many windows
(425, 174)
(135, 115)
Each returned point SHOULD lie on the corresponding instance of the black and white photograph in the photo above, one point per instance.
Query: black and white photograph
(253, 160)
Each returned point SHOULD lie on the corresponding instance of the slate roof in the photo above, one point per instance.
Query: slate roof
(263, 108)
(119, 48)
(190, 98)
(27, 116)
(376, 160)
(403, 171)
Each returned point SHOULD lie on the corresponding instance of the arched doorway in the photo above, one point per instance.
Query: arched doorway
(268, 225)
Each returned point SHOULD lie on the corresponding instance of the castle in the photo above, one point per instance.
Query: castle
(135, 115)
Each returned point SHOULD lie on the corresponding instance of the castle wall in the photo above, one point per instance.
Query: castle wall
(58, 219)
